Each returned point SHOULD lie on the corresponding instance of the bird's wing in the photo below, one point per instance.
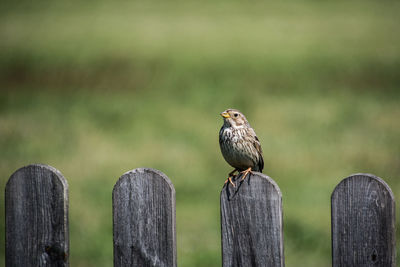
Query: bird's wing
(257, 145)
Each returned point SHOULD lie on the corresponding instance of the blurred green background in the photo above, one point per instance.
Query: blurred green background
(98, 88)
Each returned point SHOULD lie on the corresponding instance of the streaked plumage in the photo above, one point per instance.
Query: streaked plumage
(239, 143)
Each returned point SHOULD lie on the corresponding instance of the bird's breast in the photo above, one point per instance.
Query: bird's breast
(237, 151)
(232, 135)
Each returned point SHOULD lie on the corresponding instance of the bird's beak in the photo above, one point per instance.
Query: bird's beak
(225, 115)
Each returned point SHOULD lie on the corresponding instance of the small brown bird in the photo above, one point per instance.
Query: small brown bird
(239, 144)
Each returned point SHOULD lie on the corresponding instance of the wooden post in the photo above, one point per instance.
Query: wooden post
(363, 223)
(144, 219)
(36, 202)
(251, 223)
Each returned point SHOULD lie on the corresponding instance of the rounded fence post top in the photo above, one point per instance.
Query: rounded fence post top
(143, 170)
(46, 167)
(363, 176)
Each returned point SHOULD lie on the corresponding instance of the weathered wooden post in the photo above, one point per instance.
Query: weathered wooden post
(363, 223)
(144, 219)
(251, 223)
(36, 202)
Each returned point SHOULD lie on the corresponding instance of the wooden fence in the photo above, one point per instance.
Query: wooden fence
(363, 220)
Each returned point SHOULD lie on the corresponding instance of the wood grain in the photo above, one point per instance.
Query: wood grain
(363, 222)
(251, 223)
(144, 219)
(36, 201)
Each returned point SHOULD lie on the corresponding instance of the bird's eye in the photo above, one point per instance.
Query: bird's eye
(235, 115)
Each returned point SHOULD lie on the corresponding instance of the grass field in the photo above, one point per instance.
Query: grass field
(98, 88)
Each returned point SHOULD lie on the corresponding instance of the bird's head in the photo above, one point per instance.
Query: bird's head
(234, 118)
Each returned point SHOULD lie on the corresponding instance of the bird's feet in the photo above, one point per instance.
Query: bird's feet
(245, 173)
(230, 181)
(230, 176)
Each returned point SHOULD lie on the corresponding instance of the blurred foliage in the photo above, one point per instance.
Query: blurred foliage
(98, 88)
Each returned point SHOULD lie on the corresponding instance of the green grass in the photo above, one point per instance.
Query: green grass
(97, 89)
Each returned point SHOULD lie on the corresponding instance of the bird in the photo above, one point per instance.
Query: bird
(240, 145)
